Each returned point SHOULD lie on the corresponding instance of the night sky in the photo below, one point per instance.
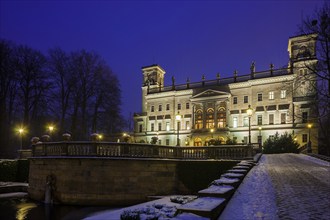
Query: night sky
(186, 38)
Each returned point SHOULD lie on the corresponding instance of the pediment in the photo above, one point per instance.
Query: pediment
(210, 93)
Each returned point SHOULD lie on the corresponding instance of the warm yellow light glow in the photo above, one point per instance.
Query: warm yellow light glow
(100, 136)
(249, 111)
(260, 128)
(50, 128)
(178, 117)
(21, 130)
(309, 125)
(124, 134)
(212, 130)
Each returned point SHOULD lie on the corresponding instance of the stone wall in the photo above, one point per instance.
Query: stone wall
(105, 181)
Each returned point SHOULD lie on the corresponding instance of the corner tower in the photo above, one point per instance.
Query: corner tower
(303, 60)
(153, 77)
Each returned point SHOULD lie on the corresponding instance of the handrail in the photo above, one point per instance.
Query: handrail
(114, 149)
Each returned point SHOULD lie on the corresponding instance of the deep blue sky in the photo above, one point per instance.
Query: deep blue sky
(187, 38)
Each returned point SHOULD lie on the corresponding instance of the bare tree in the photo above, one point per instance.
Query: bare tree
(319, 24)
(63, 79)
(32, 85)
(7, 95)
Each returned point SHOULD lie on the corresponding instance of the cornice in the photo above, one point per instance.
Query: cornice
(254, 82)
(169, 94)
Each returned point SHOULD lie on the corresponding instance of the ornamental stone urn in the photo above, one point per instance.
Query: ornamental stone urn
(34, 140)
(66, 136)
(45, 138)
(94, 136)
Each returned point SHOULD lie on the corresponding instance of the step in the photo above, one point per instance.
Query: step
(224, 191)
(233, 175)
(209, 207)
(227, 181)
(7, 187)
(13, 195)
(242, 171)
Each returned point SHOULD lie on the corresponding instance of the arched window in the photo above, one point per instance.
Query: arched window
(199, 119)
(221, 117)
(210, 118)
(197, 142)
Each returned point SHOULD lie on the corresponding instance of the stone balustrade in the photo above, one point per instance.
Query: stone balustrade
(114, 149)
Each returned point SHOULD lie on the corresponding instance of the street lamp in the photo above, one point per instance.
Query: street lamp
(21, 132)
(178, 118)
(51, 129)
(212, 130)
(249, 112)
(309, 146)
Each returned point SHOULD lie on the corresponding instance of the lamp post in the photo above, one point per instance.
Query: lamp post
(212, 130)
(21, 131)
(178, 118)
(249, 112)
(51, 129)
(309, 146)
(260, 138)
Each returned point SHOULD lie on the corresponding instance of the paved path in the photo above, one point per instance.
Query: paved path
(283, 186)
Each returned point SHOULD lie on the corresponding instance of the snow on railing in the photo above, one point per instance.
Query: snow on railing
(114, 149)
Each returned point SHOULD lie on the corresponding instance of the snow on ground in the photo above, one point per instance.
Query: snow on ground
(162, 208)
(255, 197)
(315, 160)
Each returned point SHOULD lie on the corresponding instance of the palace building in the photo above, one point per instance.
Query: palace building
(239, 109)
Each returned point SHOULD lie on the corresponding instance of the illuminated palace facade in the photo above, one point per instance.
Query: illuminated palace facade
(192, 114)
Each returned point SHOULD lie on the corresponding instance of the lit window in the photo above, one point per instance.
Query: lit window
(235, 100)
(259, 97)
(152, 108)
(199, 119)
(271, 95)
(167, 126)
(160, 108)
(283, 94)
(235, 122)
(187, 105)
(246, 121)
(221, 117)
(187, 125)
(210, 118)
(246, 99)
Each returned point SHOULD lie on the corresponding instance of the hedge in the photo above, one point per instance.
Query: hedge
(14, 170)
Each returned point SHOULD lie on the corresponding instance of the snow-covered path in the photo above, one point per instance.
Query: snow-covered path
(283, 186)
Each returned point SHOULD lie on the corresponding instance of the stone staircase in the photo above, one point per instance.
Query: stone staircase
(212, 200)
(13, 190)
